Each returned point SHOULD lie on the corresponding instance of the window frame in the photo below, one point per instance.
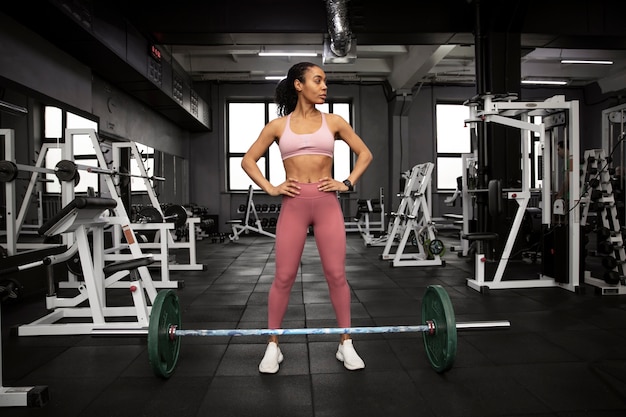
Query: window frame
(268, 106)
(53, 187)
(452, 155)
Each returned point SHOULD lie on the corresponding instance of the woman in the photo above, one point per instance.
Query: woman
(306, 138)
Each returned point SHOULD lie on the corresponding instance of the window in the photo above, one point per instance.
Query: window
(241, 135)
(453, 140)
(84, 152)
(138, 184)
(56, 120)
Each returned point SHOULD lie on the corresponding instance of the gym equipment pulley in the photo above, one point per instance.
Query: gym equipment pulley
(439, 329)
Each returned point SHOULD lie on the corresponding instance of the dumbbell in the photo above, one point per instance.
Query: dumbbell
(610, 262)
(596, 195)
(608, 247)
(612, 277)
(603, 233)
(594, 182)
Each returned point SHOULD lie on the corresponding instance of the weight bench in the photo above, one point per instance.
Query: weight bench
(83, 217)
(480, 257)
(364, 223)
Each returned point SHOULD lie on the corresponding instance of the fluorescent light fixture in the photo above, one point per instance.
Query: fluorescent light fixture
(586, 61)
(287, 53)
(275, 77)
(545, 82)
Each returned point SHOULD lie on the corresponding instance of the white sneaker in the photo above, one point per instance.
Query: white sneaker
(273, 356)
(346, 354)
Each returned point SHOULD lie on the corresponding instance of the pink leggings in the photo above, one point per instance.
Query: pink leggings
(322, 211)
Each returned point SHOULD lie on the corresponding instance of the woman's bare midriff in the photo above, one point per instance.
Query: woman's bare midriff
(308, 168)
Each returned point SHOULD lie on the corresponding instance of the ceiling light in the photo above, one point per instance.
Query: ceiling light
(545, 82)
(274, 77)
(586, 61)
(263, 53)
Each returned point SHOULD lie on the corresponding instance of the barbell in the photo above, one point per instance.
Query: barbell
(439, 328)
(64, 170)
(173, 213)
(9, 171)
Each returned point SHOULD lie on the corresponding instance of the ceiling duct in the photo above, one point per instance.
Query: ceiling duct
(341, 48)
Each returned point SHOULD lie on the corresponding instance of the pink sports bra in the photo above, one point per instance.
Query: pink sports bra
(321, 142)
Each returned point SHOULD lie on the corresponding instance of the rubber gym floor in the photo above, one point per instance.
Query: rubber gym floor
(564, 354)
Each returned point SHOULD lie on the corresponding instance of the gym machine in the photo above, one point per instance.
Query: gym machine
(85, 218)
(504, 110)
(164, 241)
(15, 216)
(412, 224)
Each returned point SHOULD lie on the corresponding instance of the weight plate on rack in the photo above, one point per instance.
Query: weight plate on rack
(176, 214)
(8, 171)
(436, 247)
(66, 171)
(150, 214)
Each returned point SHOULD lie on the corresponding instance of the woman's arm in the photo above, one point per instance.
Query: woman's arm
(252, 156)
(259, 148)
(347, 134)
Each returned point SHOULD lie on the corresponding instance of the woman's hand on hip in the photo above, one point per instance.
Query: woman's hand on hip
(329, 184)
(289, 188)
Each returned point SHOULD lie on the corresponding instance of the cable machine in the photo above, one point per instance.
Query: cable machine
(555, 220)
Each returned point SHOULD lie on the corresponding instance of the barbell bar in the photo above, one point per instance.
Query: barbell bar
(64, 170)
(439, 329)
(70, 168)
(424, 328)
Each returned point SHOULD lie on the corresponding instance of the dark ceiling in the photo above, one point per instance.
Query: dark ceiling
(402, 43)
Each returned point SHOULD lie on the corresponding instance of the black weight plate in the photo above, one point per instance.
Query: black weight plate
(163, 350)
(440, 346)
(8, 171)
(66, 170)
(176, 214)
(150, 214)
(74, 266)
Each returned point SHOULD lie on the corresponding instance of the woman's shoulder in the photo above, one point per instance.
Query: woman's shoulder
(334, 120)
(277, 125)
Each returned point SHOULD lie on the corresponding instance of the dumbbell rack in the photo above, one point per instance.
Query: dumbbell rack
(596, 175)
(251, 222)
